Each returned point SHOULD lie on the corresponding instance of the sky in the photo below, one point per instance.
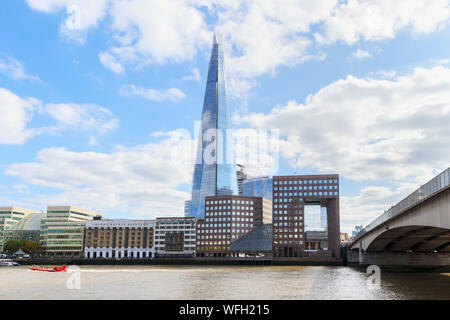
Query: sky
(99, 99)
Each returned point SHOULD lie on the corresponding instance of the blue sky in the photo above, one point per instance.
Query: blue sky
(92, 93)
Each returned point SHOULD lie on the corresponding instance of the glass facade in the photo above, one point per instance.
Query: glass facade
(17, 224)
(62, 230)
(258, 187)
(215, 169)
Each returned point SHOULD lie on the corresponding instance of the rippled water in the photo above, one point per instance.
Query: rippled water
(220, 282)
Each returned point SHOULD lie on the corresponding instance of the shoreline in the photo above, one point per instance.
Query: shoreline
(225, 262)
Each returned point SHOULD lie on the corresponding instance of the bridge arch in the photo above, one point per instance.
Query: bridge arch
(418, 228)
(415, 238)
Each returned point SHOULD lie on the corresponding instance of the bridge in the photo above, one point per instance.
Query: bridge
(414, 232)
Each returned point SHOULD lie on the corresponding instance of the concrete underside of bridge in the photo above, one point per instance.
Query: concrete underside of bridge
(419, 236)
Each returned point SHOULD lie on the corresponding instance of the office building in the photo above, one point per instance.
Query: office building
(62, 230)
(175, 237)
(228, 218)
(241, 177)
(18, 223)
(292, 195)
(215, 169)
(119, 239)
(258, 187)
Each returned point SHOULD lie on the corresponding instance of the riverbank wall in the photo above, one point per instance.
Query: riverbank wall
(176, 261)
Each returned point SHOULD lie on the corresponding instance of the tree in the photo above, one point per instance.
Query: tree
(11, 246)
(33, 248)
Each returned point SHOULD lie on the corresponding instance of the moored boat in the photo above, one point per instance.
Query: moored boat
(8, 263)
(54, 269)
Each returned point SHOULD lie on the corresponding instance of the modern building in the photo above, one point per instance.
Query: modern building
(118, 239)
(357, 230)
(62, 230)
(255, 244)
(295, 233)
(175, 237)
(228, 218)
(241, 177)
(14, 222)
(258, 187)
(27, 229)
(215, 169)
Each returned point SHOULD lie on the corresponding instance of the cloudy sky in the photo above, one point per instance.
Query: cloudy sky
(98, 99)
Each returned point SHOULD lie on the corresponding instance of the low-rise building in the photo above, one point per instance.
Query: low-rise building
(175, 237)
(62, 230)
(118, 239)
(14, 222)
(228, 218)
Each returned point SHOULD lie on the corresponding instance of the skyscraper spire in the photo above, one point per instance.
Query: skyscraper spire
(215, 169)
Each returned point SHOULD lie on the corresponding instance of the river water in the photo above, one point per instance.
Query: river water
(219, 282)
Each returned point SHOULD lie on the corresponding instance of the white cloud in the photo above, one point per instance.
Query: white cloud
(259, 36)
(155, 31)
(82, 117)
(374, 20)
(81, 15)
(368, 128)
(15, 115)
(361, 54)
(15, 70)
(111, 63)
(194, 76)
(172, 94)
(139, 181)
(370, 203)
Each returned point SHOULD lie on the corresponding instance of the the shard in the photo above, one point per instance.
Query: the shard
(215, 169)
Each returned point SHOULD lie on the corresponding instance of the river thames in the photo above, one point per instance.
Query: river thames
(220, 282)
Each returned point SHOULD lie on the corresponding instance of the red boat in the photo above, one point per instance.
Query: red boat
(54, 269)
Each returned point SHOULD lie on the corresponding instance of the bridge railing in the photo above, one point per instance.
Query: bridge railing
(430, 188)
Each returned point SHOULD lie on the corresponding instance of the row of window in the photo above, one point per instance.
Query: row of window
(229, 219)
(230, 207)
(209, 202)
(323, 181)
(335, 187)
(299, 194)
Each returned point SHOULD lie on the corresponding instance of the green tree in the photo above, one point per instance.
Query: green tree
(11, 246)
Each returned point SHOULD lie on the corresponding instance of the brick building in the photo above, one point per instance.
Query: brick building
(290, 196)
(228, 218)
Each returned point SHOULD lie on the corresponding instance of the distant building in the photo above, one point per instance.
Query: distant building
(241, 177)
(227, 219)
(27, 229)
(215, 168)
(187, 208)
(118, 239)
(258, 187)
(213, 176)
(62, 230)
(345, 238)
(357, 230)
(17, 223)
(291, 195)
(175, 237)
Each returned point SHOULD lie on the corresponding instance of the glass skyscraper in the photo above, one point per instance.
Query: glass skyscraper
(258, 187)
(215, 169)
